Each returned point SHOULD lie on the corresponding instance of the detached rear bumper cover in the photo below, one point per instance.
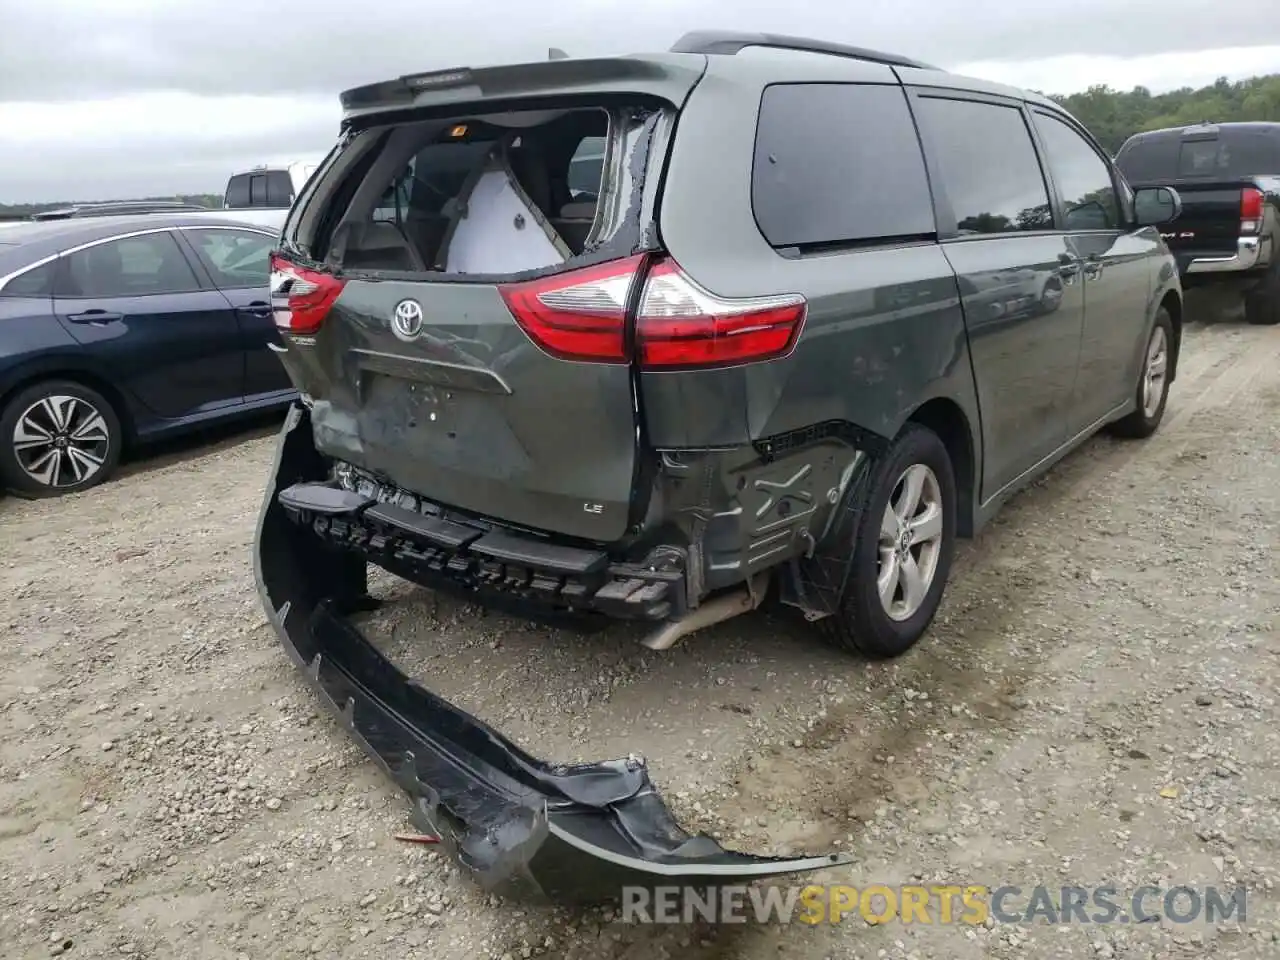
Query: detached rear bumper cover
(520, 826)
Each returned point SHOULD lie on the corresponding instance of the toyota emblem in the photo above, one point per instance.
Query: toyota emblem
(406, 322)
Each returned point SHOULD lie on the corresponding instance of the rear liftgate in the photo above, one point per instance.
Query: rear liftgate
(520, 826)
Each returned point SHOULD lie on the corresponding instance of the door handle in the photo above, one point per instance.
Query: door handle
(1069, 266)
(1093, 267)
(99, 317)
(257, 309)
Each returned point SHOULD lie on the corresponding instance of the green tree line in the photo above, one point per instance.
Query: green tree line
(1115, 115)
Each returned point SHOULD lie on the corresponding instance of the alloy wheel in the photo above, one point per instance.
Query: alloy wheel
(1154, 372)
(910, 542)
(61, 441)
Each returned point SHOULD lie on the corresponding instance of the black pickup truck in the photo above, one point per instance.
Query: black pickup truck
(1228, 178)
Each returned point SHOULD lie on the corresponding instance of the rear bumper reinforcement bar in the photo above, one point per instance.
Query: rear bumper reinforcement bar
(504, 568)
(520, 826)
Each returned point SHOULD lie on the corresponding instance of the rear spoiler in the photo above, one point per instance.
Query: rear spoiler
(665, 76)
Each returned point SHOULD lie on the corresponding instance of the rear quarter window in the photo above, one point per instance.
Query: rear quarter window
(838, 164)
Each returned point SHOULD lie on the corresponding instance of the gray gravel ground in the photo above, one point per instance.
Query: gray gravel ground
(1096, 704)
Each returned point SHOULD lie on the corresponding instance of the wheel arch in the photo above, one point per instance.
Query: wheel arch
(29, 375)
(1172, 302)
(947, 419)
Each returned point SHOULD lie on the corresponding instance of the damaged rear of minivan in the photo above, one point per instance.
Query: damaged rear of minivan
(458, 312)
(471, 291)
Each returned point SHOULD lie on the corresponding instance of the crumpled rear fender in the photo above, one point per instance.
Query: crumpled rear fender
(519, 825)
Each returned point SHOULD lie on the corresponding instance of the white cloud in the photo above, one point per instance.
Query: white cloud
(172, 142)
(154, 144)
(162, 115)
(1159, 73)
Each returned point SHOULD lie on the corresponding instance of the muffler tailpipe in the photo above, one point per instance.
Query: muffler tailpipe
(716, 610)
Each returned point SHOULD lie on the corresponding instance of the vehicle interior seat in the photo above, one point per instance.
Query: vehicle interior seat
(97, 268)
(101, 271)
(381, 245)
(574, 222)
(571, 219)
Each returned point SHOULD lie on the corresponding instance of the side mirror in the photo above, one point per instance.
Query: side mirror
(1156, 205)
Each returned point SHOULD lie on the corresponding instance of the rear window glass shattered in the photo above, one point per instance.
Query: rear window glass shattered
(494, 196)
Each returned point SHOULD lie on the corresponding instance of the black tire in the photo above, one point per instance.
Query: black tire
(1262, 303)
(102, 442)
(1139, 425)
(862, 624)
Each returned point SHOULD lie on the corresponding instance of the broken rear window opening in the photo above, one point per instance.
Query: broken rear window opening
(499, 195)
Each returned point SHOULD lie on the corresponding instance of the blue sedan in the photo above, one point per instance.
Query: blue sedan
(119, 330)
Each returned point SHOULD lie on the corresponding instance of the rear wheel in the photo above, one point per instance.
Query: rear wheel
(57, 437)
(902, 550)
(1152, 392)
(1262, 303)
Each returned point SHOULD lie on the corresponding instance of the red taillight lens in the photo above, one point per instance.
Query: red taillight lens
(579, 315)
(1250, 210)
(301, 298)
(582, 316)
(680, 324)
(1250, 204)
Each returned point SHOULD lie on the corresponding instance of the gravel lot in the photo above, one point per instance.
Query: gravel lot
(1096, 704)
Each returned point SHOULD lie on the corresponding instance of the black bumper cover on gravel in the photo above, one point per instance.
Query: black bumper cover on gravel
(520, 826)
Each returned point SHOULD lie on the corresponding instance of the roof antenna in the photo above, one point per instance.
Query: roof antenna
(555, 53)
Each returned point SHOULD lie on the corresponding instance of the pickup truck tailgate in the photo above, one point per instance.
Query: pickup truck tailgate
(1210, 221)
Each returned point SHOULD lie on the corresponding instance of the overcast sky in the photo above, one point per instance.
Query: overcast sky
(105, 99)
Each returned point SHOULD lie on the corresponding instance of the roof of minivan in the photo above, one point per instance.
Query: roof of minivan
(645, 70)
(782, 66)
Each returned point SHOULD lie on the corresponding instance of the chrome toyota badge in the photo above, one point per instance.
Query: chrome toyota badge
(406, 322)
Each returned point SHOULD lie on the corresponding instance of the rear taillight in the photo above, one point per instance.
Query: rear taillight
(582, 316)
(1250, 210)
(301, 298)
(679, 324)
(579, 315)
